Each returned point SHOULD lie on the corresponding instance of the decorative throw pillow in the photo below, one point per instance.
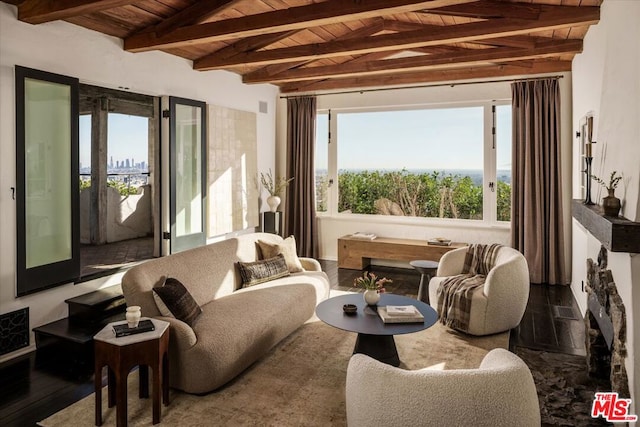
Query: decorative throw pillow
(174, 300)
(287, 248)
(262, 271)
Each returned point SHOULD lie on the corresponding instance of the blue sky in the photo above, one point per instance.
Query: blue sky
(449, 138)
(127, 138)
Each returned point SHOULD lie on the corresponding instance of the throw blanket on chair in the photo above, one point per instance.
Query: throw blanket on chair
(456, 292)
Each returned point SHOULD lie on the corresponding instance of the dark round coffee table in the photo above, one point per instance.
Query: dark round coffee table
(375, 338)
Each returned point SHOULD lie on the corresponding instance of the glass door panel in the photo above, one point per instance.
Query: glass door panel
(47, 181)
(47, 165)
(188, 169)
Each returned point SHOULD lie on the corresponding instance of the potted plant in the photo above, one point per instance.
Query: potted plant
(373, 286)
(610, 204)
(274, 187)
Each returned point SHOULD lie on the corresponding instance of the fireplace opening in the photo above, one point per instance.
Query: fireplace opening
(598, 351)
(606, 328)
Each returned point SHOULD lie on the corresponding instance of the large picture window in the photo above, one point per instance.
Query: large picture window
(449, 162)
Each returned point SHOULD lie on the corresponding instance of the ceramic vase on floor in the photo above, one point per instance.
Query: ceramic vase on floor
(611, 204)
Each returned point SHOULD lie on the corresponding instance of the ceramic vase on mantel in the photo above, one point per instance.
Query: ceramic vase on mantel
(273, 202)
(371, 296)
(611, 204)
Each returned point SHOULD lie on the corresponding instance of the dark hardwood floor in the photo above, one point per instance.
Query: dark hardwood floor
(33, 387)
(552, 322)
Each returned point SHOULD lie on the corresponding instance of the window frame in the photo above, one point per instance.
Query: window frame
(489, 216)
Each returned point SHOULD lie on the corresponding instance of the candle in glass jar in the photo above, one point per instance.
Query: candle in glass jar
(587, 151)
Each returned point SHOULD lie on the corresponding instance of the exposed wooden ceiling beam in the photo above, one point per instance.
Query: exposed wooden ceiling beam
(251, 44)
(39, 11)
(552, 18)
(195, 14)
(261, 41)
(396, 79)
(514, 41)
(293, 18)
(400, 26)
(375, 56)
(468, 58)
(439, 49)
(523, 64)
(488, 9)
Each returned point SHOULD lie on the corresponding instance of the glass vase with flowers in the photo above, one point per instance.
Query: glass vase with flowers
(373, 286)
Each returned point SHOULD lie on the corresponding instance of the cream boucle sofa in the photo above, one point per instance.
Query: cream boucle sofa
(501, 304)
(501, 392)
(237, 325)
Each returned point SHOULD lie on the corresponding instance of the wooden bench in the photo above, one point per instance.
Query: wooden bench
(357, 253)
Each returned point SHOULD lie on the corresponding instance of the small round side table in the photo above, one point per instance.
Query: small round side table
(120, 355)
(425, 268)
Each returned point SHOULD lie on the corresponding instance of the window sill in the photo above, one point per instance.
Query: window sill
(426, 222)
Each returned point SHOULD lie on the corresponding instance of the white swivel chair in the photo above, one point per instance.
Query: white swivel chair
(501, 392)
(503, 300)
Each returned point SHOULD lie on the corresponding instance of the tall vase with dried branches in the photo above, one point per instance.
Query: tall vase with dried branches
(274, 187)
(610, 204)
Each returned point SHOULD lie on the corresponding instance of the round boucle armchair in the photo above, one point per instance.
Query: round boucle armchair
(501, 392)
(503, 300)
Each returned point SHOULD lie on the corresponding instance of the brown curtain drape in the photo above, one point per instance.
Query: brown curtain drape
(300, 218)
(536, 210)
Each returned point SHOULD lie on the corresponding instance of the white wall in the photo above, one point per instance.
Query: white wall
(606, 81)
(97, 59)
(332, 227)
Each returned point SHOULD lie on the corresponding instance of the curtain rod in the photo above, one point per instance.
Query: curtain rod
(382, 89)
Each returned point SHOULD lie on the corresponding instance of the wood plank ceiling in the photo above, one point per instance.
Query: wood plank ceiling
(317, 45)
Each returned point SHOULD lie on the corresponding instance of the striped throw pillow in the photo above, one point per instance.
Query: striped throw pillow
(253, 273)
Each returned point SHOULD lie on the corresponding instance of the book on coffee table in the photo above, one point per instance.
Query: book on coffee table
(402, 310)
(124, 329)
(416, 317)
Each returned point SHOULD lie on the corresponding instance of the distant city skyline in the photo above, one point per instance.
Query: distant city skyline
(127, 140)
(121, 164)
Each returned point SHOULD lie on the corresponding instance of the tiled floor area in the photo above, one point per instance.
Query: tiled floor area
(99, 259)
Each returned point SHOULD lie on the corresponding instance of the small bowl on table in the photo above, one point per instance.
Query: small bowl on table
(350, 309)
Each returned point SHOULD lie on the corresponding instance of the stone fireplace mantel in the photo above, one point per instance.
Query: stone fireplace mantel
(616, 234)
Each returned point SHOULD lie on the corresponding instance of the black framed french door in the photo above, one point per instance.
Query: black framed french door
(47, 185)
(185, 150)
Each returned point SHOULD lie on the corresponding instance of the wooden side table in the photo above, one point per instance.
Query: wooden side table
(120, 355)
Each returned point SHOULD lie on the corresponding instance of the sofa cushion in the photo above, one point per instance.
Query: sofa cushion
(174, 300)
(253, 273)
(287, 248)
(236, 330)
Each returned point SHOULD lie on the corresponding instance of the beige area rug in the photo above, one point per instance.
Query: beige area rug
(299, 382)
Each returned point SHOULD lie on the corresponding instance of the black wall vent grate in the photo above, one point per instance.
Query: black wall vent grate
(14, 330)
(564, 312)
